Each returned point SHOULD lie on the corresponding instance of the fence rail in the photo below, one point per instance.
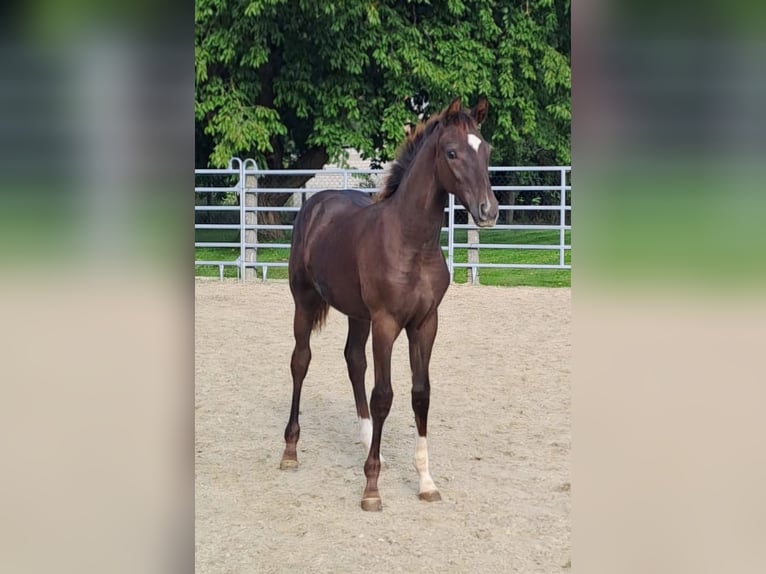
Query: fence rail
(228, 217)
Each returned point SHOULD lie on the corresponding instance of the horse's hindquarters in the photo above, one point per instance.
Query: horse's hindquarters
(329, 244)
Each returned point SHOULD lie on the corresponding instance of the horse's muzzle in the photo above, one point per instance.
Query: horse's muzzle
(487, 222)
(487, 214)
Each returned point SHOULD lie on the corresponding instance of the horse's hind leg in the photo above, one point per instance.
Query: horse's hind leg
(421, 340)
(356, 361)
(308, 305)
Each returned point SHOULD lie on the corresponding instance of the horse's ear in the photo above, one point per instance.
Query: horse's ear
(479, 112)
(453, 108)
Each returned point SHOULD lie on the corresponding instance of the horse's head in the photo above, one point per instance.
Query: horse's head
(462, 161)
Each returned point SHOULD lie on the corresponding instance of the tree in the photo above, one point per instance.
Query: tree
(294, 82)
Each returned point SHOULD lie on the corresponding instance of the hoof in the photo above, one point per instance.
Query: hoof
(288, 464)
(432, 496)
(372, 504)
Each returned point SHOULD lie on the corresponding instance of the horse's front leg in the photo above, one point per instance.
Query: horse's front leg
(384, 333)
(421, 342)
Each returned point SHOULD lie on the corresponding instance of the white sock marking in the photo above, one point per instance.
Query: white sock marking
(365, 435)
(474, 141)
(365, 432)
(421, 465)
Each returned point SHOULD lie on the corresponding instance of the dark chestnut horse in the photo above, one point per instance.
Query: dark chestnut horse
(380, 263)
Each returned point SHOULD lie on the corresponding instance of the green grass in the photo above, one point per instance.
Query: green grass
(514, 277)
(505, 277)
(231, 253)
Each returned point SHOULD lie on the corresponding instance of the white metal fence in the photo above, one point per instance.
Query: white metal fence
(535, 216)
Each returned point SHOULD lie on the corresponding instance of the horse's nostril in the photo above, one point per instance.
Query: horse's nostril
(483, 208)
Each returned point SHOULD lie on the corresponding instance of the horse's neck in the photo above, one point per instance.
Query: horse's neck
(419, 202)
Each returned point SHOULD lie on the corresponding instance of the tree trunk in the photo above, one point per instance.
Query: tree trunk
(314, 158)
(509, 213)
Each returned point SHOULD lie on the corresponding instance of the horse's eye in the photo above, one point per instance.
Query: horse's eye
(452, 154)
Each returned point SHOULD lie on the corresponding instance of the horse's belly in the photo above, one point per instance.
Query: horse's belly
(348, 308)
(343, 296)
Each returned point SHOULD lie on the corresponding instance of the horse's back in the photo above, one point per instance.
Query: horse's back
(337, 199)
(327, 212)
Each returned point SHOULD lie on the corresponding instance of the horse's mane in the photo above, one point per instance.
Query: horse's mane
(411, 146)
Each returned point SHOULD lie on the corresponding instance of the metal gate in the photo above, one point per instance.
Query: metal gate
(228, 224)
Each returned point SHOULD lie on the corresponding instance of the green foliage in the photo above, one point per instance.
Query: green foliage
(281, 80)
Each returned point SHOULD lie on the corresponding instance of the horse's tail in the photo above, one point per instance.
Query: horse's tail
(320, 316)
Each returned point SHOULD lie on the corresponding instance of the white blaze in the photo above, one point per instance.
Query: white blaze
(421, 465)
(474, 141)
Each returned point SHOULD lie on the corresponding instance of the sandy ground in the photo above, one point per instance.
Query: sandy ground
(499, 440)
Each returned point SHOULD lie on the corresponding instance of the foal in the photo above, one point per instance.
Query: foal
(381, 264)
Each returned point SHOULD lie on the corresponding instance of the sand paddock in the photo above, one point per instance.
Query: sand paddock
(499, 440)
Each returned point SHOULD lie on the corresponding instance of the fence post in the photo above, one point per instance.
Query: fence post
(241, 198)
(451, 237)
(472, 273)
(251, 220)
(563, 217)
